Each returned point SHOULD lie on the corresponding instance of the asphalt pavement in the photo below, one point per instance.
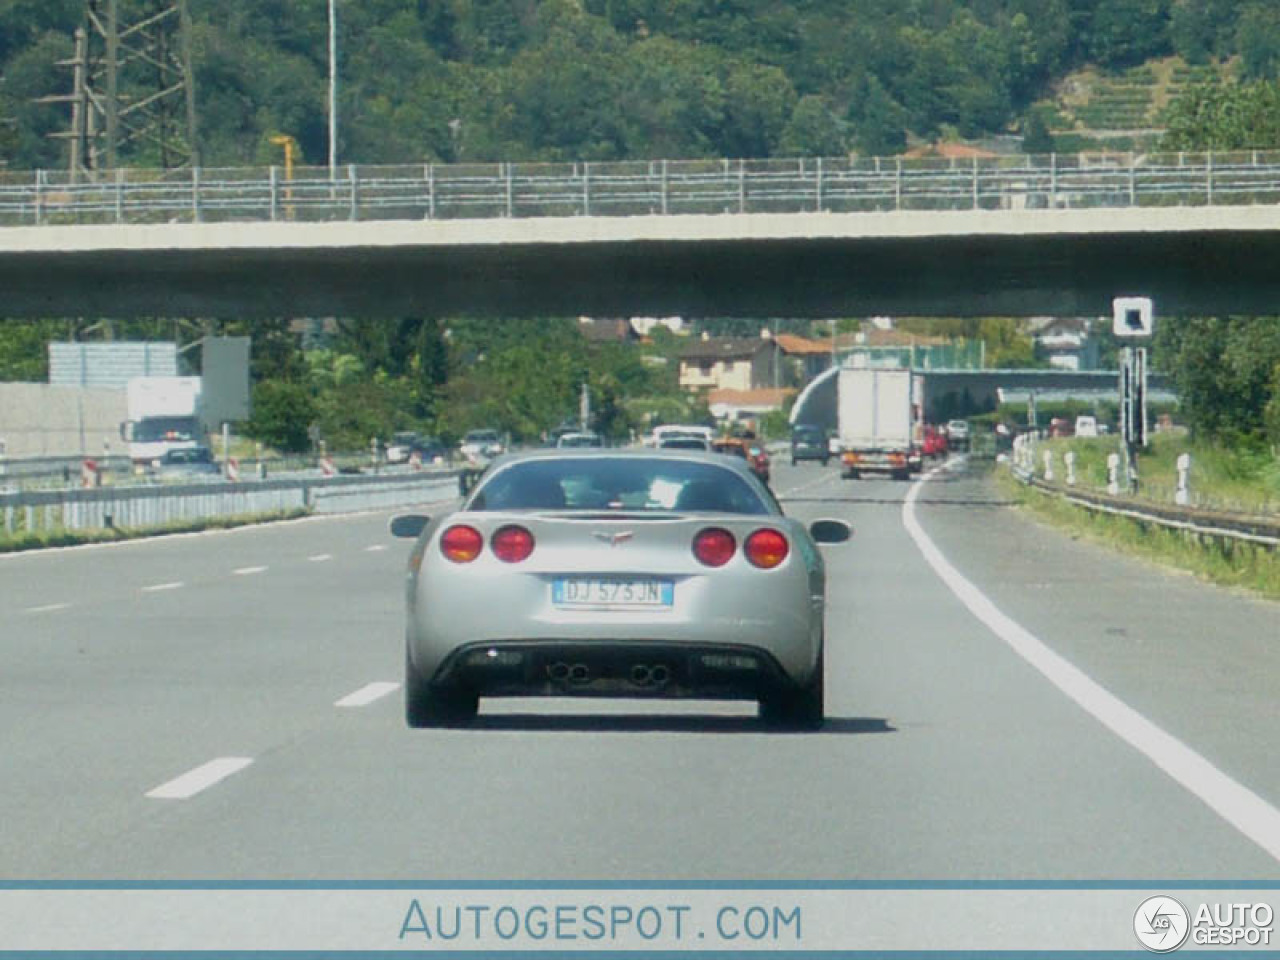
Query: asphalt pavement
(225, 706)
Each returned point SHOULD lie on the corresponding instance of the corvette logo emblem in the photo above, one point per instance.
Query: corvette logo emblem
(613, 539)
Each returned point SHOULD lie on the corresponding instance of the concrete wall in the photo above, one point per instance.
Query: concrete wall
(39, 420)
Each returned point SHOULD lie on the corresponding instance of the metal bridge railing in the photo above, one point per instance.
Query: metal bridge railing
(640, 188)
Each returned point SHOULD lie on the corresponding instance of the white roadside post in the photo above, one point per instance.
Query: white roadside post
(1113, 474)
(1070, 458)
(1182, 497)
(1048, 466)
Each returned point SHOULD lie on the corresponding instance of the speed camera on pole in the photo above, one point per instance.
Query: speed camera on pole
(1133, 317)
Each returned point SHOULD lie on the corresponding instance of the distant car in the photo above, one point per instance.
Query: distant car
(401, 446)
(581, 439)
(1061, 427)
(481, 444)
(1086, 426)
(623, 573)
(809, 442)
(428, 450)
(958, 434)
(749, 450)
(935, 441)
(683, 442)
(187, 463)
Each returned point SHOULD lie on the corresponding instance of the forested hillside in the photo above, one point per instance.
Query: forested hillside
(457, 80)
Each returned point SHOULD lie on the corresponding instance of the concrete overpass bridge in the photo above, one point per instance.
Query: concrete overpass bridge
(970, 390)
(1016, 236)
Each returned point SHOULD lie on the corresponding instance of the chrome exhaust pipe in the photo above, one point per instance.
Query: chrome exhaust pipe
(641, 675)
(558, 671)
(579, 673)
(660, 675)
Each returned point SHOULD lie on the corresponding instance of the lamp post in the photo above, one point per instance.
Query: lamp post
(333, 91)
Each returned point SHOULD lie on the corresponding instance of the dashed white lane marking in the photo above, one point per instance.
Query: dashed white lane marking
(47, 608)
(1235, 803)
(320, 557)
(368, 694)
(376, 548)
(158, 587)
(201, 778)
(248, 571)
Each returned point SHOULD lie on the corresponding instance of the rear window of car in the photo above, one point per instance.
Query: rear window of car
(684, 443)
(630, 484)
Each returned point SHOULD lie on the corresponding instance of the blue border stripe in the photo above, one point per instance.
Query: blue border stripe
(462, 886)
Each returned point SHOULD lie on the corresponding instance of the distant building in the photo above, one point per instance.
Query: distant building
(731, 405)
(1065, 341)
(613, 330)
(646, 325)
(805, 358)
(731, 363)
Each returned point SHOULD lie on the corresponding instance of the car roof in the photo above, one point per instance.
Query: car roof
(621, 453)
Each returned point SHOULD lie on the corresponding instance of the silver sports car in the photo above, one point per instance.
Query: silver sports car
(615, 573)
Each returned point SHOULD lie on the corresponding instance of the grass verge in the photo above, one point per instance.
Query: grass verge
(40, 539)
(1225, 562)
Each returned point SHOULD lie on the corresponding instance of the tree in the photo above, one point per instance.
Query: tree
(880, 122)
(1036, 138)
(282, 415)
(1225, 116)
(1225, 373)
(1258, 38)
(813, 130)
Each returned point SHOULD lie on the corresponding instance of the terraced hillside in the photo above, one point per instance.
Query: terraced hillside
(1093, 110)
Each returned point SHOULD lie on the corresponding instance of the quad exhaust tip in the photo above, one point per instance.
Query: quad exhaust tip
(643, 675)
(562, 672)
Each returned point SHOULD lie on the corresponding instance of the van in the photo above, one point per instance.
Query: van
(1086, 426)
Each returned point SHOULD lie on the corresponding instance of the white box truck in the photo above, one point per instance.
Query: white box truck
(876, 421)
(164, 415)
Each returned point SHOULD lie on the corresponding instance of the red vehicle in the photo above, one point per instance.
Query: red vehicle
(935, 441)
(751, 451)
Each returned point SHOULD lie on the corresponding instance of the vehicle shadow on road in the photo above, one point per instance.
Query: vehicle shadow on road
(683, 723)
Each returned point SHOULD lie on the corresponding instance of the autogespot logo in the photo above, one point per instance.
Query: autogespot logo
(1162, 924)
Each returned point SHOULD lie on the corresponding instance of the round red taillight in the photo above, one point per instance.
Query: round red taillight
(461, 544)
(766, 548)
(714, 547)
(512, 544)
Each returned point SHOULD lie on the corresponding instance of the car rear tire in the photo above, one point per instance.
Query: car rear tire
(433, 706)
(802, 709)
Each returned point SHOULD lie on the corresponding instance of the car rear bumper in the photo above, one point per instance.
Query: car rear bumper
(644, 669)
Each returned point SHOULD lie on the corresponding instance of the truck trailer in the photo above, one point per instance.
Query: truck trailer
(875, 418)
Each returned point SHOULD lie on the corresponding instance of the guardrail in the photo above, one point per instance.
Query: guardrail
(106, 507)
(453, 191)
(1264, 531)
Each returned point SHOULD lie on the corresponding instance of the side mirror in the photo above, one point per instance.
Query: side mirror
(830, 531)
(409, 525)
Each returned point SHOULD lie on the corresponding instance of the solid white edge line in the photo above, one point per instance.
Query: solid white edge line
(157, 587)
(1235, 803)
(248, 571)
(368, 694)
(201, 778)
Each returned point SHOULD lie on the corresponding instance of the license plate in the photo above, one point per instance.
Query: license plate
(612, 593)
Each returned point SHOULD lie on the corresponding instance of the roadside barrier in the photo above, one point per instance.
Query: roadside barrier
(99, 508)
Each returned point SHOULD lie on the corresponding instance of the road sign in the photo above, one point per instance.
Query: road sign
(1132, 316)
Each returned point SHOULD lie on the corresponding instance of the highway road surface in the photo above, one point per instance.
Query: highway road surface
(1005, 704)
